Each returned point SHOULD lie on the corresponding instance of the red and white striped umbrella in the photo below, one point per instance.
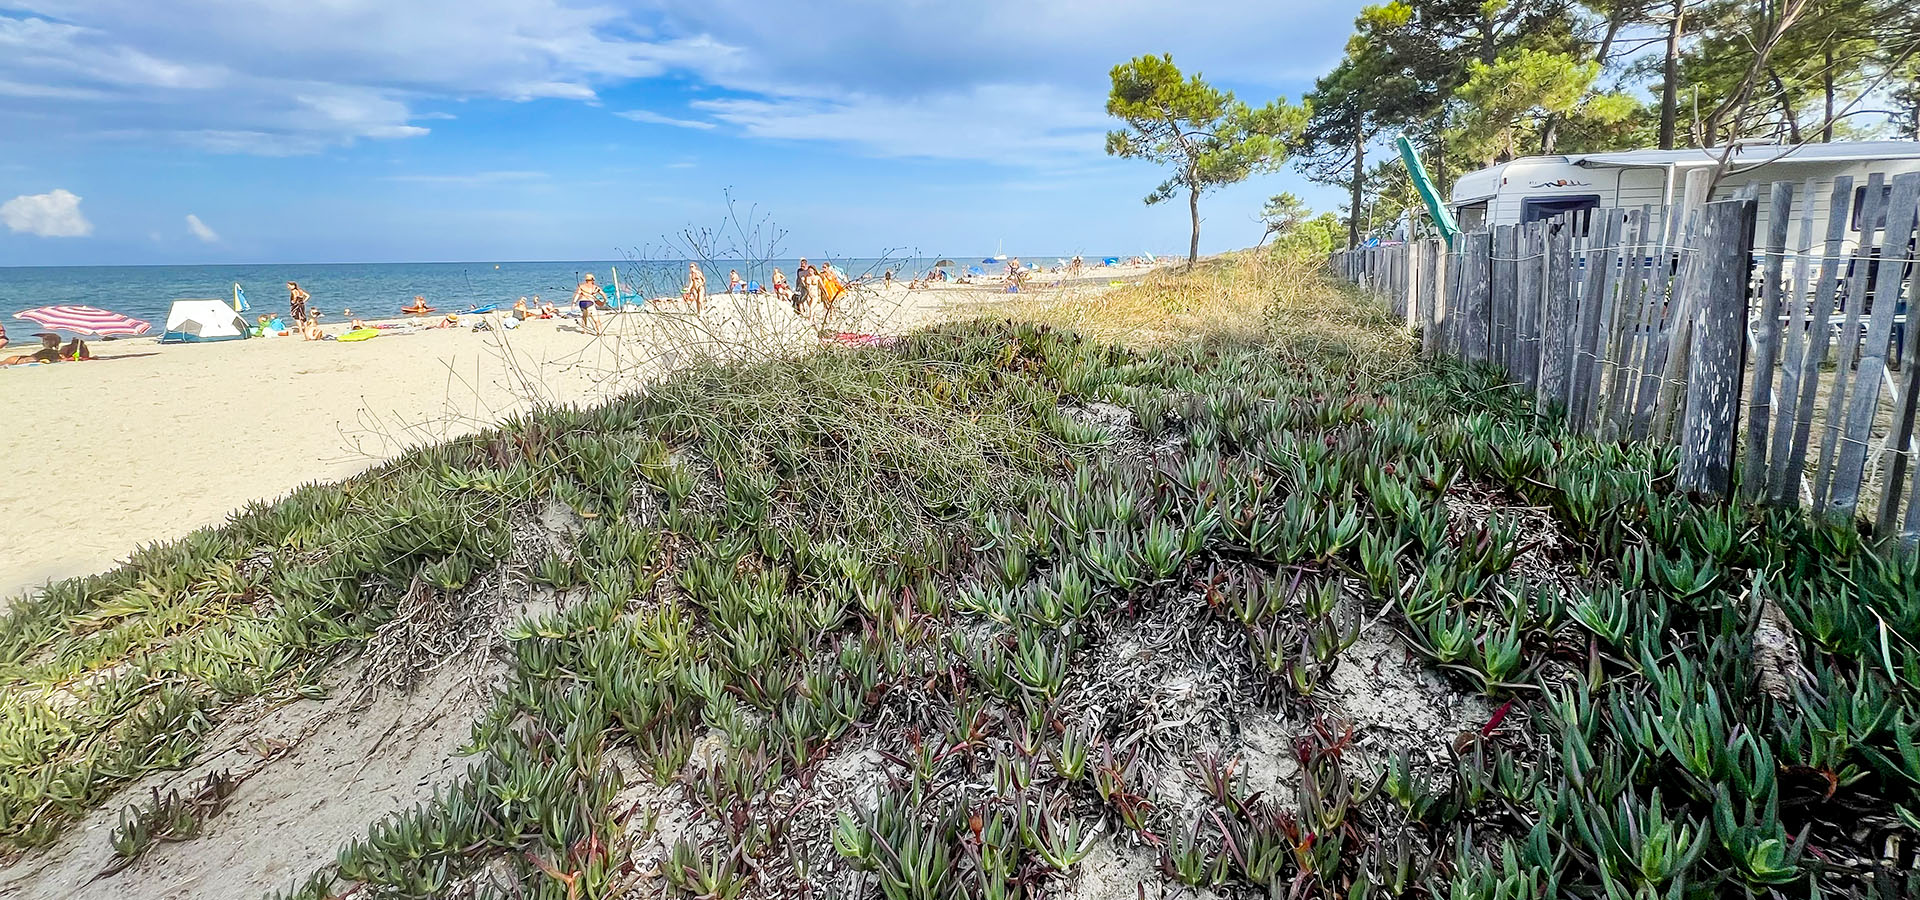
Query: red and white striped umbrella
(85, 320)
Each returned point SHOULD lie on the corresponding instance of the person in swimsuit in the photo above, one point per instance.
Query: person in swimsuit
(815, 287)
(696, 289)
(734, 284)
(588, 296)
(781, 289)
(417, 307)
(297, 301)
(49, 352)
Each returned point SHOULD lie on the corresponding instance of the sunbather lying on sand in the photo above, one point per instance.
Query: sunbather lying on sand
(50, 351)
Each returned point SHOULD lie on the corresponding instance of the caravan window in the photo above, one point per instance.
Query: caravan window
(1534, 209)
(1472, 217)
(1860, 202)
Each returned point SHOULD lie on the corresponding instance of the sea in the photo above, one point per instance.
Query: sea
(380, 289)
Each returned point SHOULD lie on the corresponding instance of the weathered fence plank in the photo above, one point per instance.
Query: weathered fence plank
(1856, 438)
(1818, 335)
(1766, 341)
(1555, 333)
(1718, 358)
(1628, 313)
(1848, 341)
(1527, 287)
(1478, 287)
(1596, 311)
(1503, 276)
(1676, 342)
(1799, 311)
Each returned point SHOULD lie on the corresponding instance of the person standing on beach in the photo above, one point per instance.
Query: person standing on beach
(803, 281)
(734, 284)
(696, 290)
(815, 287)
(297, 302)
(781, 289)
(587, 296)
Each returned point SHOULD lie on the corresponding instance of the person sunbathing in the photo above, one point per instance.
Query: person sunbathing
(734, 284)
(356, 324)
(548, 310)
(418, 307)
(49, 352)
(310, 327)
(520, 310)
(452, 320)
(781, 289)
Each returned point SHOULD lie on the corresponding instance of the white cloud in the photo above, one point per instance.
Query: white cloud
(200, 230)
(654, 118)
(55, 213)
(283, 78)
(288, 78)
(1033, 124)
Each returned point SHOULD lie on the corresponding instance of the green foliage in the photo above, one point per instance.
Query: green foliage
(1514, 105)
(746, 613)
(1206, 136)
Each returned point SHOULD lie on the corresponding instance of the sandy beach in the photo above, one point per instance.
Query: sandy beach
(148, 442)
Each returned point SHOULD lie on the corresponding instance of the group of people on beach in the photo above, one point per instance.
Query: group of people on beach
(51, 350)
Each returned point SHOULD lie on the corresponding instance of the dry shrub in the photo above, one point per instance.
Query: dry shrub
(1284, 302)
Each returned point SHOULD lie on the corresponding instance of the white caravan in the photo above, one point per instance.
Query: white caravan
(1540, 187)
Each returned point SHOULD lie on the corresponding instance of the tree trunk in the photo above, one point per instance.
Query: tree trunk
(1359, 184)
(1614, 22)
(1670, 78)
(1549, 135)
(1826, 82)
(1786, 107)
(1193, 209)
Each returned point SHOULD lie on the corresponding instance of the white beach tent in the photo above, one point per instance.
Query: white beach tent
(203, 320)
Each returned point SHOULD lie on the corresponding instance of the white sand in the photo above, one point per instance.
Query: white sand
(149, 442)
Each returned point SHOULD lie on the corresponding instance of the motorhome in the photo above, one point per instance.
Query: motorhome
(1541, 187)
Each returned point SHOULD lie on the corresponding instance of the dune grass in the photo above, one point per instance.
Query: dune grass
(931, 563)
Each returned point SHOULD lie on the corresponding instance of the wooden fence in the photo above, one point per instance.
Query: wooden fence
(1763, 341)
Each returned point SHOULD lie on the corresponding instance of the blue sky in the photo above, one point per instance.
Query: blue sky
(206, 131)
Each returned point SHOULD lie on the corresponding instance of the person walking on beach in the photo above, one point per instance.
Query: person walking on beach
(297, 301)
(696, 289)
(781, 289)
(803, 280)
(814, 286)
(587, 296)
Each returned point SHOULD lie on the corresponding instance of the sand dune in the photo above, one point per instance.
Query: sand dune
(149, 442)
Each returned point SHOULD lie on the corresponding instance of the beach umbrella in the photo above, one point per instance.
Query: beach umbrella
(944, 263)
(84, 320)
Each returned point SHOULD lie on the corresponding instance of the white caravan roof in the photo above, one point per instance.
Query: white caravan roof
(1484, 183)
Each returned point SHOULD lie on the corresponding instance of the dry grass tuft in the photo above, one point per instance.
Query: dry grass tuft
(1283, 302)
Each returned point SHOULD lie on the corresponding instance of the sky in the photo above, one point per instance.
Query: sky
(258, 131)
